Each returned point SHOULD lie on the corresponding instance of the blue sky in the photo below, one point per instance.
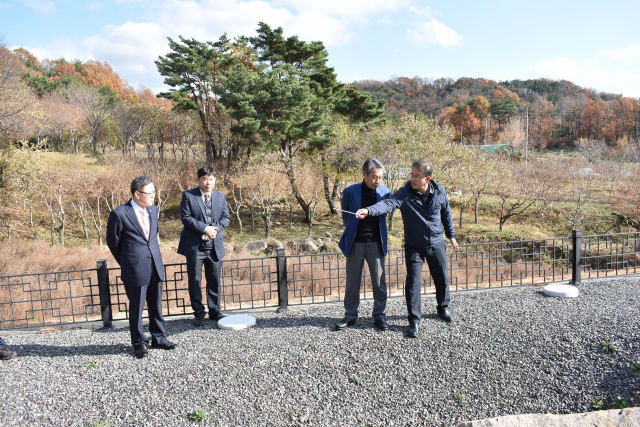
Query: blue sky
(592, 43)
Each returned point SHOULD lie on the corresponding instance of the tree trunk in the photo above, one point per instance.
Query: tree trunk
(330, 197)
(267, 226)
(461, 212)
(390, 227)
(288, 163)
(61, 234)
(253, 216)
(476, 210)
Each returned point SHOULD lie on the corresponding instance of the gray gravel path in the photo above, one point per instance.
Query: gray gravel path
(507, 352)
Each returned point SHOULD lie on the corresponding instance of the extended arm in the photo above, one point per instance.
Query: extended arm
(384, 206)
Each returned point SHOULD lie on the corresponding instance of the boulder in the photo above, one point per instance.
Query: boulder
(228, 248)
(272, 247)
(309, 246)
(255, 246)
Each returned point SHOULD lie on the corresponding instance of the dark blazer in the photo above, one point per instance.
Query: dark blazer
(192, 213)
(127, 242)
(351, 201)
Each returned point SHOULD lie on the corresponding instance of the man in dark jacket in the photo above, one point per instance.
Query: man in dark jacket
(132, 238)
(364, 240)
(426, 216)
(205, 214)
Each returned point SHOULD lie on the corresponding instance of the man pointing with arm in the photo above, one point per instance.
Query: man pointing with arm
(426, 216)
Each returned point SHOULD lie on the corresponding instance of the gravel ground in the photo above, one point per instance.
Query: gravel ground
(510, 351)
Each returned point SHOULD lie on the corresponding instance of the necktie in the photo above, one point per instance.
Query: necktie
(206, 199)
(145, 224)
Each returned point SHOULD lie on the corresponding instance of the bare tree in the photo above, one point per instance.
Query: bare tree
(94, 107)
(55, 206)
(15, 96)
(129, 119)
(517, 193)
(268, 191)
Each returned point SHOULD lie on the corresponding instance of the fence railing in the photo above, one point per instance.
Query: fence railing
(284, 280)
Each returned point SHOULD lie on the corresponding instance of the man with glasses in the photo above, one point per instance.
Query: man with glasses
(426, 216)
(364, 239)
(132, 237)
(204, 215)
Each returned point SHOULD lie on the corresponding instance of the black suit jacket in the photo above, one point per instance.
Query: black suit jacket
(127, 242)
(193, 218)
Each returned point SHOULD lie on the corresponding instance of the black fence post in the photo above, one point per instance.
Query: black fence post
(576, 259)
(105, 294)
(283, 292)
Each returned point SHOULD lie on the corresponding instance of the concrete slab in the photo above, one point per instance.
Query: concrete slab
(560, 290)
(237, 322)
(628, 417)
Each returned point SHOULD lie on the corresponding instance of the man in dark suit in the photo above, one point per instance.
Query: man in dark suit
(364, 239)
(132, 237)
(426, 216)
(204, 214)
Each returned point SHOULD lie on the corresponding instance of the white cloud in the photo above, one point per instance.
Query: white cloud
(434, 32)
(130, 47)
(631, 52)
(42, 6)
(58, 48)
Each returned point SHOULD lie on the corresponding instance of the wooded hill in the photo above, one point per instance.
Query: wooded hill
(559, 110)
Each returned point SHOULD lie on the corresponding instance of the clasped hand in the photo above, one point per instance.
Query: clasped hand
(211, 232)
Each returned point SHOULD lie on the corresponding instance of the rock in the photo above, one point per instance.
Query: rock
(616, 418)
(255, 246)
(228, 248)
(328, 234)
(310, 247)
(272, 247)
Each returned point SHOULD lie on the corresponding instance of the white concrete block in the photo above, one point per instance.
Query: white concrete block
(566, 291)
(237, 322)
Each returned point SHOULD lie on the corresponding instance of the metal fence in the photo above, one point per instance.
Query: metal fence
(283, 280)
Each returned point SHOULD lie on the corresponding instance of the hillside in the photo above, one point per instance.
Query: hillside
(559, 110)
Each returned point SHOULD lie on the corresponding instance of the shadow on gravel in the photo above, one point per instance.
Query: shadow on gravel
(40, 350)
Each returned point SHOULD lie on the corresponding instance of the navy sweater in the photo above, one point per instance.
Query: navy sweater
(424, 222)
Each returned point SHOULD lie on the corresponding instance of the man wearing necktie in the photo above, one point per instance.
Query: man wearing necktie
(204, 215)
(132, 238)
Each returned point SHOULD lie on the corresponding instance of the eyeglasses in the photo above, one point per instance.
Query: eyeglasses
(417, 177)
(153, 194)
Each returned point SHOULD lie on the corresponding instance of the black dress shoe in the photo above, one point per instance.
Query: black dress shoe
(344, 323)
(141, 351)
(381, 324)
(413, 329)
(6, 354)
(198, 321)
(166, 346)
(445, 314)
(217, 316)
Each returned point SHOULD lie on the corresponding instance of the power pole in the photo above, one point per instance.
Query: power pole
(526, 140)
(485, 130)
